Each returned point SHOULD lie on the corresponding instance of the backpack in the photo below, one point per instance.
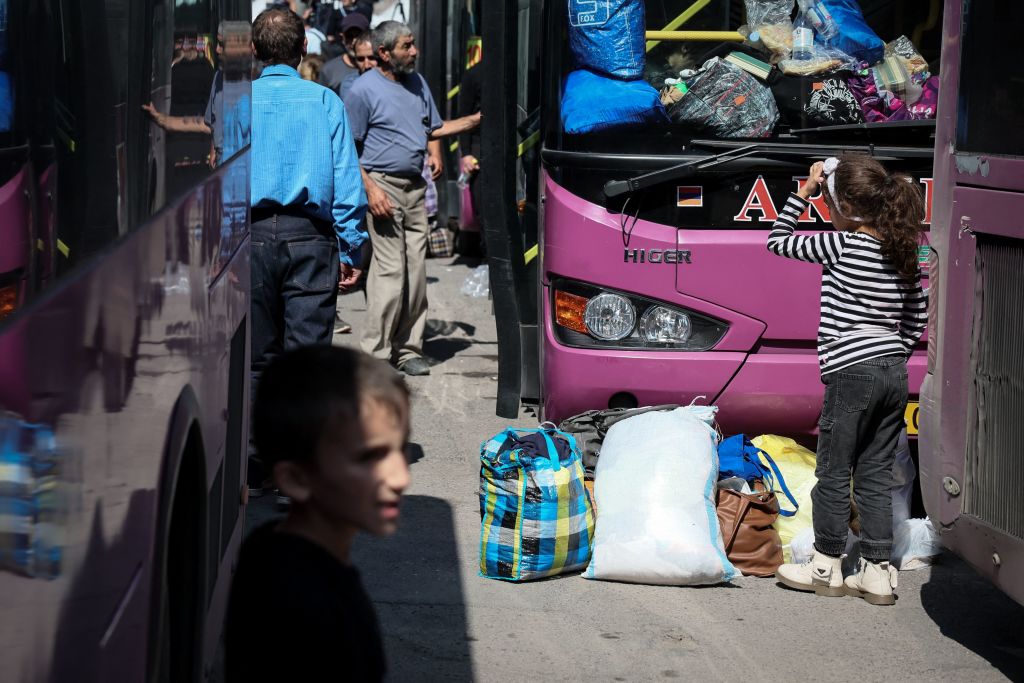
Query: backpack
(589, 429)
(737, 457)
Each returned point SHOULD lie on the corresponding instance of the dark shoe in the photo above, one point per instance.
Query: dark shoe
(415, 367)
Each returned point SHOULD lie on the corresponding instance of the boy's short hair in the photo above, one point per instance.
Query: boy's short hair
(307, 391)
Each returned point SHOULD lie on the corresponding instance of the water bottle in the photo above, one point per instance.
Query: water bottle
(820, 19)
(463, 181)
(803, 40)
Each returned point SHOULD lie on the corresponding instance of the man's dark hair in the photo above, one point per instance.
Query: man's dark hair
(306, 392)
(277, 35)
(365, 37)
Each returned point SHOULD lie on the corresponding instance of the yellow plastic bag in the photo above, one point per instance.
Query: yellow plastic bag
(797, 466)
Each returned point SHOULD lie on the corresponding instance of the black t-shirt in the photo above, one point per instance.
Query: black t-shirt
(297, 614)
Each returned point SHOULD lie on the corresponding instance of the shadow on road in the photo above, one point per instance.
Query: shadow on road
(445, 349)
(974, 613)
(446, 328)
(414, 581)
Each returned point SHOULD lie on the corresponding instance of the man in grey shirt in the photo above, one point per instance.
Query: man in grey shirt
(334, 71)
(394, 120)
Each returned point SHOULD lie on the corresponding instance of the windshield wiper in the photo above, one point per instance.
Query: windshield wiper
(617, 188)
(821, 150)
(920, 124)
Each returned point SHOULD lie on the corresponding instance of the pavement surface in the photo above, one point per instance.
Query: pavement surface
(442, 622)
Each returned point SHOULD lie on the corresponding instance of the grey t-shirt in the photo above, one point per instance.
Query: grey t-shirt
(392, 119)
(334, 72)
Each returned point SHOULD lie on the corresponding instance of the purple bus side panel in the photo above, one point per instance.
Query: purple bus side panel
(102, 363)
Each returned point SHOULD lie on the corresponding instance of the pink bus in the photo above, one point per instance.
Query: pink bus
(123, 335)
(672, 265)
(972, 470)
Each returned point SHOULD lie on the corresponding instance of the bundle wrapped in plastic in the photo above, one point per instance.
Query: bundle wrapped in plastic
(855, 37)
(655, 490)
(768, 23)
(608, 36)
(903, 48)
(880, 105)
(591, 102)
(822, 60)
(727, 101)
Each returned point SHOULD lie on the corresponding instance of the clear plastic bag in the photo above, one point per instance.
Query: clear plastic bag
(915, 544)
(823, 60)
(768, 26)
(477, 283)
(767, 12)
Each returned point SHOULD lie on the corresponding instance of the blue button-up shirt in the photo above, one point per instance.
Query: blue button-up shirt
(303, 154)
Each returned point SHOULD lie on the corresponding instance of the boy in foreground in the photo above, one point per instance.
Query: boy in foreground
(332, 423)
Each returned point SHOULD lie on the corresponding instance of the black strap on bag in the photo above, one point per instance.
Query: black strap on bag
(590, 428)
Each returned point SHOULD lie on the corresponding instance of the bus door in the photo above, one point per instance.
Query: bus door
(972, 470)
(512, 210)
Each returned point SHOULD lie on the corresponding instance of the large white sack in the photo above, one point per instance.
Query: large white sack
(655, 490)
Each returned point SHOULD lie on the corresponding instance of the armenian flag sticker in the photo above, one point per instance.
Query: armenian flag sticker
(689, 195)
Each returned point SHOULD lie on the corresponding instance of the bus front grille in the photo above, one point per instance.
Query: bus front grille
(995, 441)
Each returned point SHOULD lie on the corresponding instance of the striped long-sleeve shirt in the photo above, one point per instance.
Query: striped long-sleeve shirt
(867, 309)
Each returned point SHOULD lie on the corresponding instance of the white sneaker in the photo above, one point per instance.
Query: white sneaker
(874, 582)
(822, 575)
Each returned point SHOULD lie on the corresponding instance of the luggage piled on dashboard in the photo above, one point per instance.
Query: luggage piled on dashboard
(803, 64)
(606, 88)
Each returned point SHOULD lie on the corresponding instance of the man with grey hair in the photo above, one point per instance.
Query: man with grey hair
(394, 120)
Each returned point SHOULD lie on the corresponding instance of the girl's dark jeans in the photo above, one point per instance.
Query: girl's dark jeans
(860, 425)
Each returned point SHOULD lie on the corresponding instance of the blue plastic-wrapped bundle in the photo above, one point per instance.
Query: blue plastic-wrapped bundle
(608, 36)
(592, 102)
(855, 36)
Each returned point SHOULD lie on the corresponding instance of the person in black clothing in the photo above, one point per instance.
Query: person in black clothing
(334, 423)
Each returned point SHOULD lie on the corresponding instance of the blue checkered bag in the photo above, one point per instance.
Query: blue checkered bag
(31, 510)
(536, 516)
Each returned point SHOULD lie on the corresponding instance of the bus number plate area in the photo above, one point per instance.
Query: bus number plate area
(911, 416)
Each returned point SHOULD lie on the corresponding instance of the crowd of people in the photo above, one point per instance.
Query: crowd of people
(345, 139)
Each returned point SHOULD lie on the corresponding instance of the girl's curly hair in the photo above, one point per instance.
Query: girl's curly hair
(892, 203)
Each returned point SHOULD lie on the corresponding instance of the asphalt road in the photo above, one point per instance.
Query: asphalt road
(442, 622)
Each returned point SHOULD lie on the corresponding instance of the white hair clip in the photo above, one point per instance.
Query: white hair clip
(829, 169)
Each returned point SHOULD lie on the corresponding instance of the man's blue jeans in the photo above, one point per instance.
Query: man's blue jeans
(860, 425)
(294, 289)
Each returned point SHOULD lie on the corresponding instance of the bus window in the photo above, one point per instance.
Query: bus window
(988, 120)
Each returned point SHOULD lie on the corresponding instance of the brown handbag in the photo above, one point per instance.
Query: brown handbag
(751, 542)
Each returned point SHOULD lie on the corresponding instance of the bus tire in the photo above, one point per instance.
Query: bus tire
(178, 605)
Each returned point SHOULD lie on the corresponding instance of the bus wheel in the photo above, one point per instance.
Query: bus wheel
(182, 602)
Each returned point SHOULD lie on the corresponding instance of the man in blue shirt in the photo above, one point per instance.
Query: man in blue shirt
(394, 120)
(307, 197)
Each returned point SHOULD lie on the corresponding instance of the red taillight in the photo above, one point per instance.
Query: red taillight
(933, 308)
(8, 300)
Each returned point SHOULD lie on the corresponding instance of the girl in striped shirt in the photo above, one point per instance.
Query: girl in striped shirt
(873, 312)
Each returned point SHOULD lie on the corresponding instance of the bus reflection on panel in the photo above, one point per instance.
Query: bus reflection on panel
(123, 340)
(689, 248)
(972, 467)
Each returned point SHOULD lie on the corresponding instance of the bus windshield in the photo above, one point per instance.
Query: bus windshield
(721, 71)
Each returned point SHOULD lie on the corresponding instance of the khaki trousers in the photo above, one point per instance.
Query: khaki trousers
(396, 288)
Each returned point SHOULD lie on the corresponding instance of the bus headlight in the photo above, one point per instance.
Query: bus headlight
(590, 317)
(610, 317)
(663, 325)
